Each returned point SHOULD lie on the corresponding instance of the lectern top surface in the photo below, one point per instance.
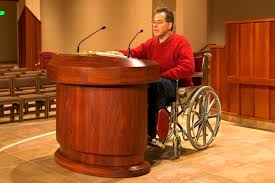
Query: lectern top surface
(101, 70)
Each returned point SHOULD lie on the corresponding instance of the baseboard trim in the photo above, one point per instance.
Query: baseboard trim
(250, 123)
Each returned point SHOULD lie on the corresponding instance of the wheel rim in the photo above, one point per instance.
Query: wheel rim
(203, 117)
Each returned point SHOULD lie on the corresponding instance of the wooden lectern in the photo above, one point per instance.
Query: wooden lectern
(101, 121)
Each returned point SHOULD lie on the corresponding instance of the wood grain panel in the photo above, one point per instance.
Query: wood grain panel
(250, 21)
(21, 41)
(233, 48)
(232, 57)
(250, 55)
(218, 74)
(29, 35)
(272, 70)
(101, 70)
(38, 46)
(213, 80)
(261, 102)
(272, 104)
(246, 68)
(246, 100)
(272, 50)
(261, 50)
(251, 81)
(102, 113)
(223, 85)
(246, 50)
(28, 42)
(86, 131)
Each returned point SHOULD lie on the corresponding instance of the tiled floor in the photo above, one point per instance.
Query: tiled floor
(239, 154)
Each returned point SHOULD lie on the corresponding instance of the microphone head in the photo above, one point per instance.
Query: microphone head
(104, 27)
(141, 30)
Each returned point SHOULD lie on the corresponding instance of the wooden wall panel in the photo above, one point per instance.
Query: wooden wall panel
(218, 74)
(246, 100)
(246, 69)
(21, 41)
(213, 80)
(29, 33)
(261, 102)
(261, 50)
(272, 70)
(272, 50)
(232, 57)
(250, 60)
(261, 68)
(38, 47)
(246, 53)
(272, 103)
(28, 41)
(222, 74)
(233, 50)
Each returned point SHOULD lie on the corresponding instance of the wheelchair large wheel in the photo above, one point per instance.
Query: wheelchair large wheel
(203, 117)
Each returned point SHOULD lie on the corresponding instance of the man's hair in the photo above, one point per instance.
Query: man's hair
(169, 14)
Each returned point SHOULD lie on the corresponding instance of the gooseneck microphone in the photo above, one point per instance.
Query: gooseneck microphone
(104, 27)
(128, 55)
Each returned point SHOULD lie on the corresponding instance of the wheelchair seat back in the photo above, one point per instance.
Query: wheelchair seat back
(200, 76)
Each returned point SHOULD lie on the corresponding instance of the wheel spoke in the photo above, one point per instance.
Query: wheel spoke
(204, 134)
(200, 121)
(200, 102)
(209, 127)
(211, 105)
(206, 102)
(213, 116)
(196, 113)
(199, 132)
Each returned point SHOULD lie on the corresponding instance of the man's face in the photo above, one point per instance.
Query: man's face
(160, 25)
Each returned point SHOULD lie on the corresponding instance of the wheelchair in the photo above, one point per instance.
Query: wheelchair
(194, 116)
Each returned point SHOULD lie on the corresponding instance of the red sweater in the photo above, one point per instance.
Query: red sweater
(174, 55)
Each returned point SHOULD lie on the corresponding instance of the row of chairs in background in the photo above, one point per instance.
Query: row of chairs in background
(19, 72)
(24, 91)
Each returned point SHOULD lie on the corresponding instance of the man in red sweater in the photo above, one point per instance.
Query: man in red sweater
(175, 56)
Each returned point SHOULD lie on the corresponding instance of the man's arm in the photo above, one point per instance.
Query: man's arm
(139, 52)
(186, 65)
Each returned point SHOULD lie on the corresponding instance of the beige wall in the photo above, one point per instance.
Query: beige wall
(192, 21)
(66, 22)
(8, 32)
(220, 11)
(53, 27)
(34, 6)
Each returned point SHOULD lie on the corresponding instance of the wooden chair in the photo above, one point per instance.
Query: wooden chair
(3, 71)
(21, 69)
(33, 72)
(46, 85)
(6, 66)
(12, 73)
(48, 88)
(7, 84)
(25, 97)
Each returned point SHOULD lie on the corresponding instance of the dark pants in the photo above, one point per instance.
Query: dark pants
(160, 94)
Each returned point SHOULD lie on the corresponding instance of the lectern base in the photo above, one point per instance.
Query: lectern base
(102, 171)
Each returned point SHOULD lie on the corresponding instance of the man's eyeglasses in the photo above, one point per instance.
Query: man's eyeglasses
(157, 22)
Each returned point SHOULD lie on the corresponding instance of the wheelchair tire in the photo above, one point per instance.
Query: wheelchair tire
(203, 117)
